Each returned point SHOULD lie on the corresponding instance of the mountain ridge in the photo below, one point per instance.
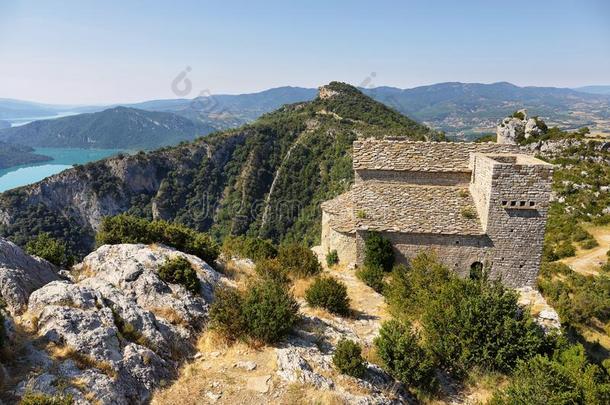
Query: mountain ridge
(114, 128)
(460, 109)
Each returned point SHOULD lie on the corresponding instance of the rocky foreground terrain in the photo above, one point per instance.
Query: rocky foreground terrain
(110, 331)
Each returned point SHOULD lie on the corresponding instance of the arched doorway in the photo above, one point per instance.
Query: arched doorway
(476, 271)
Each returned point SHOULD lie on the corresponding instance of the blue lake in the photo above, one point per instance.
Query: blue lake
(63, 158)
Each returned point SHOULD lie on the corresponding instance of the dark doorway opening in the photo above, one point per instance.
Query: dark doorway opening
(476, 271)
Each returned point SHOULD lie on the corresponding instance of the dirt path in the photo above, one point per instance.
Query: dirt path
(588, 261)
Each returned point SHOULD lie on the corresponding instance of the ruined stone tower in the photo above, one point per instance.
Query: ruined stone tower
(474, 204)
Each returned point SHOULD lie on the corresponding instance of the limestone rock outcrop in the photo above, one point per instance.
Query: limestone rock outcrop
(517, 127)
(20, 275)
(115, 328)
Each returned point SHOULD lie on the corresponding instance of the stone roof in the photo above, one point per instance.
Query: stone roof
(403, 155)
(405, 208)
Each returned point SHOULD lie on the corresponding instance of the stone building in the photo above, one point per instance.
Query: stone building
(475, 204)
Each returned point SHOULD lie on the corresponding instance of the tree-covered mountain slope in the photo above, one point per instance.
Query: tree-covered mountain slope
(13, 155)
(115, 128)
(267, 178)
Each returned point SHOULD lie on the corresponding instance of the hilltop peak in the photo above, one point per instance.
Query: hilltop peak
(334, 88)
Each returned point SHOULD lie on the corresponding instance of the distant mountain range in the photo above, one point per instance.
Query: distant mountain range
(463, 110)
(114, 128)
(594, 89)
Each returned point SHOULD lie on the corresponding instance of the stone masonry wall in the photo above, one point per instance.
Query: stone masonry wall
(415, 177)
(457, 252)
(343, 243)
(518, 202)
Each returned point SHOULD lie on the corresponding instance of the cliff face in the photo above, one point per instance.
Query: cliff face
(266, 178)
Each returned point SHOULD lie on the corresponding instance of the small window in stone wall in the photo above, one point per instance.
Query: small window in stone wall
(519, 204)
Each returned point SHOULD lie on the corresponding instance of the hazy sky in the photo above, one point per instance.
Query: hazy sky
(125, 51)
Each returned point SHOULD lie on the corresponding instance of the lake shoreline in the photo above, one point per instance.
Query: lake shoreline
(60, 159)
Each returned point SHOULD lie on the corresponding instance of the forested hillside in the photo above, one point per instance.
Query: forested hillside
(115, 128)
(265, 179)
(12, 155)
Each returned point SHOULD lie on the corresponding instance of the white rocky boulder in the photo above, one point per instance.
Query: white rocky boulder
(20, 274)
(123, 328)
(517, 127)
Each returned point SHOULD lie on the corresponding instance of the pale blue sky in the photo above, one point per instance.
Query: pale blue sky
(125, 51)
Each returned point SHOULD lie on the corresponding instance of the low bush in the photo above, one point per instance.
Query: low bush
(270, 311)
(125, 228)
(403, 356)
(566, 378)
(411, 288)
(266, 312)
(328, 293)
(378, 252)
(179, 270)
(373, 277)
(564, 249)
(478, 324)
(32, 398)
(226, 315)
(248, 247)
(348, 358)
(49, 249)
(272, 269)
(579, 299)
(299, 260)
(332, 258)
(589, 243)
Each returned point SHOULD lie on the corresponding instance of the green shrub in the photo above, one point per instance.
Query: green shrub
(378, 252)
(248, 247)
(299, 260)
(470, 323)
(589, 243)
(564, 249)
(270, 311)
(226, 314)
(128, 229)
(52, 250)
(579, 234)
(373, 277)
(332, 258)
(519, 114)
(469, 212)
(567, 378)
(272, 269)
(411, 288)
(403, 356)
(328, 293)
(179, 270)
(348, 358)
(31, 398)
(579, 299)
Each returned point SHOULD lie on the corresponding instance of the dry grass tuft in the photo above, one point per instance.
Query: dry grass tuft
(83, 361)
(170, 315)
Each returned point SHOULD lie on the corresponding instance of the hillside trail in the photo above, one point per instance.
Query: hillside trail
(588, 261)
